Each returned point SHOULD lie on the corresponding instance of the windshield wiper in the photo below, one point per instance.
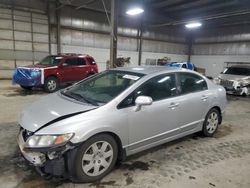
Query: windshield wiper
(79, 97)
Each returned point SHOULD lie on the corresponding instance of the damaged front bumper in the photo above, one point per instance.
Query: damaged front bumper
(50, 161)
(237, 91)
(234, 87)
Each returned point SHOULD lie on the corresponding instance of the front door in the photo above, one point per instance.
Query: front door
(155, 122)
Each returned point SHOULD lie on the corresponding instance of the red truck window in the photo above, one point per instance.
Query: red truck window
(71, 62)
(81, 61)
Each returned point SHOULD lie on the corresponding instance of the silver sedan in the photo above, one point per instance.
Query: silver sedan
(81, 131)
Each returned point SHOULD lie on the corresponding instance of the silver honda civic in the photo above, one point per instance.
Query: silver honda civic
(81, 131)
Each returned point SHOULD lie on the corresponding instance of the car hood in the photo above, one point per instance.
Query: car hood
(49, 109)
(232, 77)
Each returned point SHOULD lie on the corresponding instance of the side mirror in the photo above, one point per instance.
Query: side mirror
(142, 101)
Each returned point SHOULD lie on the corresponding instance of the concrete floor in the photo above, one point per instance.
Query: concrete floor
(193, 161)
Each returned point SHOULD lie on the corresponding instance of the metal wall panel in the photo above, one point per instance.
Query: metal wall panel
(20, 45)
(23, 55)
(5, 24)
(66, 36)
(6, 44)
(88, 39)
(242, 48)
(22, 18)
(22, 13)
(40, 28)
(76, 38)
(6, 34)
(43, 38)
(22, 26)
(102, 41)
(7, 64)
(23, 36)
(39, 47)
(163, 47)
(7, 54)
(5, 16)
(40, 21)
(30, 34)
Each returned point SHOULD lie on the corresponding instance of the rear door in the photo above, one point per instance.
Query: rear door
(68, 70)
(194, 100)
(81, 70)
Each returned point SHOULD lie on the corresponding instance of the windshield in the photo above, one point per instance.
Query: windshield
(50, 61)
(237, 71)
(103, 87)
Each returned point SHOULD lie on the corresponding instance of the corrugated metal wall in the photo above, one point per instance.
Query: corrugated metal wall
(85, 28)
(214, 47)
(85, 31)
(23, 38)
(223, 41)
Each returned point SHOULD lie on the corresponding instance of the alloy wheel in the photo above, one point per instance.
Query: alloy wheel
(51, 85)
(212, 122)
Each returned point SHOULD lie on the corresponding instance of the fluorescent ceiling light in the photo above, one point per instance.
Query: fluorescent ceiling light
(134, 11)
(193, 25)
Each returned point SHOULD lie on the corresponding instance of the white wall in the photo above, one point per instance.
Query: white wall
(214, 64)
(102, 55)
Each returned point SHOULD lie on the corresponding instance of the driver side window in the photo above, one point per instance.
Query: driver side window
(158, 88)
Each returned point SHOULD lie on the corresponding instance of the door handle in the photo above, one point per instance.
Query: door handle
(204, 97)
(173, 105)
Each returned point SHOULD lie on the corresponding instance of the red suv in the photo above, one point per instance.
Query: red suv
(55, 70)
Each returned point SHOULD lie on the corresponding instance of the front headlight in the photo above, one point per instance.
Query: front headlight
(243, 83)
(217, 80)
(40, 141)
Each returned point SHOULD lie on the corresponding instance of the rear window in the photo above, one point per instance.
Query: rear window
(91, 60)
(237, 71)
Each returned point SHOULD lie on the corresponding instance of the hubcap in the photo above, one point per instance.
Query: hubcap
(97, 158)
(212, 122)
(51, 85)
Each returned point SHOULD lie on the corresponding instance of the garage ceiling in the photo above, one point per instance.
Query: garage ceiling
(178, 12)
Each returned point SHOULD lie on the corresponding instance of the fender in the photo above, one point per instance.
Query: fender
(92, 132)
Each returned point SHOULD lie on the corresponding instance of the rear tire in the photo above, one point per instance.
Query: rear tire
(26, 87)
(94, 159)
(51, 84)
(211, 122)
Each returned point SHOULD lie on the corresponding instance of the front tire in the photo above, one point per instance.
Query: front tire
(51, 84)
(211, 122)
(94, 159)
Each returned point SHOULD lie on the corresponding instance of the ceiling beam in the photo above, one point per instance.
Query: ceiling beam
(164, 3)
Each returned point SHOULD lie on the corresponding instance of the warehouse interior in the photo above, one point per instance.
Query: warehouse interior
(33, 29)
(30, 30)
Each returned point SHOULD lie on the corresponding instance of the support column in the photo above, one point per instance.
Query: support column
(140, 44)
(58, 27)
(190, 45)
(49, 25)
(113, 32)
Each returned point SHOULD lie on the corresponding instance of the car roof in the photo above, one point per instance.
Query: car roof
(147, 69)
(71, 55)
(241, 66)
